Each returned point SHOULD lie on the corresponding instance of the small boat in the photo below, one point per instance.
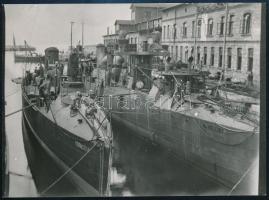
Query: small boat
(33, 58)
(29, 57)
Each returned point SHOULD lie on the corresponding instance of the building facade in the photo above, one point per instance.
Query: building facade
(146, 18)
(217, 37)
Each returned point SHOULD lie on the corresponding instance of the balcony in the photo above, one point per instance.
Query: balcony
(150, 25)
(131, 48)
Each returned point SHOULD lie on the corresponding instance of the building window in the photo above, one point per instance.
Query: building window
(220, 57)
(168, 32)
(193, 29)
(210, 27)
(186, 54)
(212, 56)
(230, 25)
(221, 32)
(147, 15)
(239, 59)
(164, 32)
(181, 52)
(176, 52)
(205, 55)
(246, 23)
(229, 58)
(184, 29)
(199, 25)
(250, 59)
(198, 55)
(175, 31)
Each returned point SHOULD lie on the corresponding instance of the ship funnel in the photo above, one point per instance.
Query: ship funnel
(73, 66)
(51, 56)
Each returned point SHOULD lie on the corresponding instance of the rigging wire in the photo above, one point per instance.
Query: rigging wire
(66, 172)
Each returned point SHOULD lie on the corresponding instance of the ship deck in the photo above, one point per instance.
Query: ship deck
(59, 113)
(199, 111)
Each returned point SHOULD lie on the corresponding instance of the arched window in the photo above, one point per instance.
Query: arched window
(221, 25)
(246, 23)
(199, 28)
(185, 29)
(175, 31)
(210, 27)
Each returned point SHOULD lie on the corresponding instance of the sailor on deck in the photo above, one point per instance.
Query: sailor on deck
(44, 89)
(76, 104)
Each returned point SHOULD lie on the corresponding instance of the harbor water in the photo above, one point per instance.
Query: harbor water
(139, 168)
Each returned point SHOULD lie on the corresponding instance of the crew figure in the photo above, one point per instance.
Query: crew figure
(76, 104)
(44, 89)
(190, 60)
(250, 79)
(28, 77)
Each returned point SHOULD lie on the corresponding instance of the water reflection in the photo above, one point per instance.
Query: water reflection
(146, 169)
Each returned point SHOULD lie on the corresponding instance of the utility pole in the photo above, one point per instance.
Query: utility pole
(225, 36)
(82, 35)
(71, 34)
(195, 36)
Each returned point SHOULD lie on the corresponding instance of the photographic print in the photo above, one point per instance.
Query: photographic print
(141, 99)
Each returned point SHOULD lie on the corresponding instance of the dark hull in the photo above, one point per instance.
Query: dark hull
(29, 59)
(66, 149)
(207, 146)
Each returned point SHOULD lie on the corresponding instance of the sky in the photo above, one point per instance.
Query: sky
(47, 25)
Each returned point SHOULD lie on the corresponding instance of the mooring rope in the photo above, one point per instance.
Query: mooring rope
(89, 150)
(242, 177)
(13, 93)
(21, 109)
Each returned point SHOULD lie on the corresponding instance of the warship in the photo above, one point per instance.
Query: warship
(170, 105)
(68, 124)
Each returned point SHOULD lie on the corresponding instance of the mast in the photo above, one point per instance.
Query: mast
(71, 34)
(14, 45)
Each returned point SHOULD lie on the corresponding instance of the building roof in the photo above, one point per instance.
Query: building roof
(174, 6)
(110, 35)
(151, 5)
(125, 22)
